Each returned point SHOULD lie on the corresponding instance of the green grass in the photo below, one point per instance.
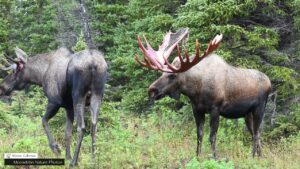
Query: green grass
(157, 140)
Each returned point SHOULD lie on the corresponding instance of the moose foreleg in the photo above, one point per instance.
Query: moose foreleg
(199, 118)
(214, 125)
(50, 112)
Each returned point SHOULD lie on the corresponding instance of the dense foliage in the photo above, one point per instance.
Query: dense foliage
(260, 35)
(263, 35)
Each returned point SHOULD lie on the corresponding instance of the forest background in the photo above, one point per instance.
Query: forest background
(261, 35)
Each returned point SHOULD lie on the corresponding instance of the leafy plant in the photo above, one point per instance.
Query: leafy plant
(80, 45)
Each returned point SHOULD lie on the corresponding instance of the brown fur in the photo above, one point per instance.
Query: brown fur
(214, 86)
(226, 82)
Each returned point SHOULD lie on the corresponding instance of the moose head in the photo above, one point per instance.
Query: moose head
(16, 79)
(171, 80)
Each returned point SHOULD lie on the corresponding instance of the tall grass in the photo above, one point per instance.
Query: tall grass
(163, 139)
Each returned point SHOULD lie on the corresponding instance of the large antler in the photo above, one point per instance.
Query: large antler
(155, 59)
(158, 60)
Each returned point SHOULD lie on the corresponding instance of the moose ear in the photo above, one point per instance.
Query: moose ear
(21, 54)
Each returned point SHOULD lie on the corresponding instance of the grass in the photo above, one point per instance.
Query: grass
(164, 139)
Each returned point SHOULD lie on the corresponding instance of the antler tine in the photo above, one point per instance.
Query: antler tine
(145, 64)
(185, 65)
(197, 56)
(186, 55)
(136, 57)
(197, 49)
(214, 44)
(141, 44)
(147, 43)
(149, 65)
(170, 66)
(153, 62)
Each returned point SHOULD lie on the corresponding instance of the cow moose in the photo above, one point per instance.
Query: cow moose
(210, 83)
(69, 81)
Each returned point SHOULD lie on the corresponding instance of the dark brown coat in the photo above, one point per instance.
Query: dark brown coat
(217, 88)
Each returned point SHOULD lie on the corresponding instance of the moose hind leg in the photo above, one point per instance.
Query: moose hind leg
(94, 108)
(79, 103)
(214, 125)
(68, 132)
(50, 112)
(249, 123)
(258, 115)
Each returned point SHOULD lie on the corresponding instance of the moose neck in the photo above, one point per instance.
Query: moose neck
(36, 68)
(189, 82)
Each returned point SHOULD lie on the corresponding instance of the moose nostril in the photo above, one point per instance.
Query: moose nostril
(152, 92)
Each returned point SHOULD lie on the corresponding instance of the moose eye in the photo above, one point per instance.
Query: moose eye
(171, 76)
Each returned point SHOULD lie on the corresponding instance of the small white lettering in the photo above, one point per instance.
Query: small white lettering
(20, 155)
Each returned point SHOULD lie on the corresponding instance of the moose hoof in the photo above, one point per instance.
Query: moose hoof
(213, 157)
(55, 148)
(216, 157)
(73, 163)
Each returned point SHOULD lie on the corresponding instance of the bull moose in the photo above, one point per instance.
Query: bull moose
(210, 83)
(69, 81)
